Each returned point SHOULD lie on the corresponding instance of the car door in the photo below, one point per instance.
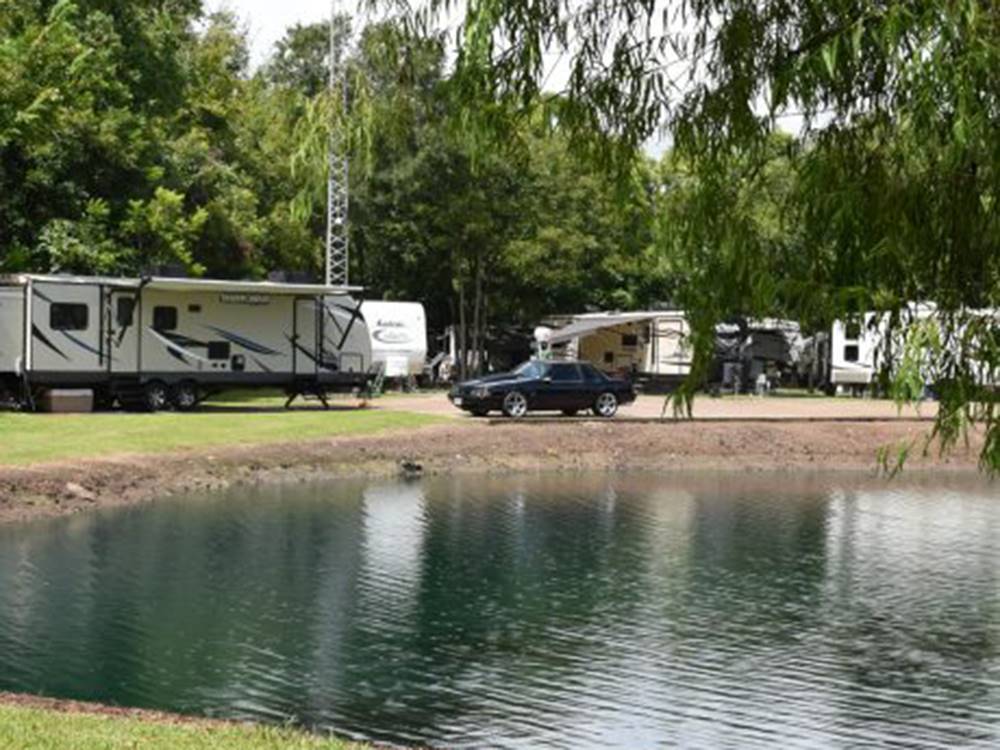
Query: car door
(565, 386)
(594, 383)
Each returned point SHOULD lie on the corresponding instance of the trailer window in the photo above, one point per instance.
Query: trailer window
(164, 318)
(852, 331)
(218, 350)
(630, 339)
(125, 311)
(851, 353)
(68, 317)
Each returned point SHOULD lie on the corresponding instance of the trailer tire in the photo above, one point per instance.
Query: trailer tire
(570, 412)
(155, 396)
(184, 395)
(104, 399)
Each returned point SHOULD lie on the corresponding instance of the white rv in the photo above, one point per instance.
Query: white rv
(398, 333)
(859, 349)
(853, 353)
(152, 343)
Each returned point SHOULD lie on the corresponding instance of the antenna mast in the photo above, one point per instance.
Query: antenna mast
(337, 251)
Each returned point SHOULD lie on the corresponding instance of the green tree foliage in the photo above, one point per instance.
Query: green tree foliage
(300, 59)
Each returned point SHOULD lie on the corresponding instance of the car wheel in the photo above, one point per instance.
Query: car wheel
(515, 405)
(155, 396)
(185, 396)
(570, 412)
(606, 405)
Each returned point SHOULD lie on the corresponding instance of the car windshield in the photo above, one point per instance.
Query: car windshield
(530, 370)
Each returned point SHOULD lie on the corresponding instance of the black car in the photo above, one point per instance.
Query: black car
(569, 387)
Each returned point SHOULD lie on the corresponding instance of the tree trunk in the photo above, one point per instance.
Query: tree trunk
(476, 318)
(486, 329)
(463, 351)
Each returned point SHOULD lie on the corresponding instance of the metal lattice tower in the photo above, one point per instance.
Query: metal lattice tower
(337, 249)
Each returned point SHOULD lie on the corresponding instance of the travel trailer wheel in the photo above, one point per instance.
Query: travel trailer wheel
(515, 405)
(104, 399)
(606, 405)
(155, 396)
(570, 412)
(185, 396)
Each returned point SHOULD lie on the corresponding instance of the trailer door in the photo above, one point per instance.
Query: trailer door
(11, 329)
(66, 330)
(123, 328)
(307, 344)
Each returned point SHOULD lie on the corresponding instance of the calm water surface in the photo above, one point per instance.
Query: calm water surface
(584, 611)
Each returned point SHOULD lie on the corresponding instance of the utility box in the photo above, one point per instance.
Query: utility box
(68, 401)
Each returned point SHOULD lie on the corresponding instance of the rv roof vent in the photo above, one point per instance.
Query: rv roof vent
(166, 271)
(291, 277)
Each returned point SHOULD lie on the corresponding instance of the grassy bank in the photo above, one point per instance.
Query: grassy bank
(24, 728)
(33, 438)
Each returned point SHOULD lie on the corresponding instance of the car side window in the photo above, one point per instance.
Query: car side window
(591, 374)
(564, 373)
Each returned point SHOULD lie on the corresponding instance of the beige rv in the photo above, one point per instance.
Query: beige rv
(651, 344)
(154, 343)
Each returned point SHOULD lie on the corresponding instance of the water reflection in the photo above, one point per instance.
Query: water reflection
(592, 610)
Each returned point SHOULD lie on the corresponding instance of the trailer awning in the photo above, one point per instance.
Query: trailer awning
(588, 325)
(166, 283)
(245, 287)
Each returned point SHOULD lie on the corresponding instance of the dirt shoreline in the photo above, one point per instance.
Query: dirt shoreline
(49, 490)
(67, 706)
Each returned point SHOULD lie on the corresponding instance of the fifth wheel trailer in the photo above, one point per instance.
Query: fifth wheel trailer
(398, 333)
(156, 342)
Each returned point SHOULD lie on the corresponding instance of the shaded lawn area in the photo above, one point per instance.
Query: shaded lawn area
(39, 729)
(35, 438)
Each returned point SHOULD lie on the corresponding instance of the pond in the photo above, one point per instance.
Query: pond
(584, 610)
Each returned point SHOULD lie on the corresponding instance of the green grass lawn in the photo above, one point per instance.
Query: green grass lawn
(34, 438)
(36, 729)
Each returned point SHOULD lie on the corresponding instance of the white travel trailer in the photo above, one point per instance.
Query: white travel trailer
(151, 343)
(854, 353)
(859, 349)
(398, 333)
